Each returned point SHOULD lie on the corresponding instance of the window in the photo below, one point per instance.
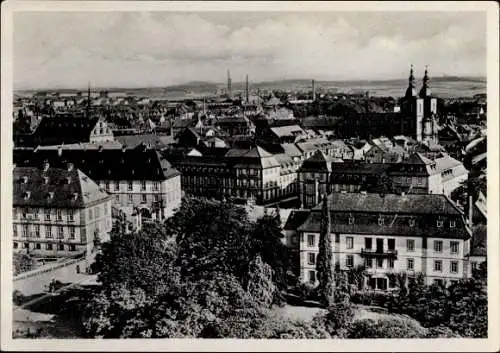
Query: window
(156, 186)
(47, 215)
(439, 223)
(301, 237)
(91, 214)
(97, 211)
(157, 197)
(312, 277)
(72, 247)
(15, 245)
(380, 263)
(438, 245)
(349, 242)
(473, 265)
(349, 261)
(410, 264)
(337, 238)
(60, 232)
(60, 246)
(83, 235)
(48, 246)
(59, 215)
(454, 247)
(143, 185)
(25, 230)
(391, 263)
(71, 215)
(368, 243)
(368, 262)
(35, 213)
(351, 220)
(144, 197)
(38, 246)
(438, 265)
(37, 230)
(438, 282)
(26, 245)
(381, 221)
(391, 244)
(129, 186)
(48, 232)
(312, 258)
(411, 222)
(454, 267)
(452, 224)
(72, 233)
(117, 185)
(310, 239)
(130, 198)
(15, 230)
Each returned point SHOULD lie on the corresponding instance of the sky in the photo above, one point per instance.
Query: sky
(142, 49)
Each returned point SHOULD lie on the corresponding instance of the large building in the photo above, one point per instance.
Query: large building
(137, 178)
(387, 234)
(416, 174)
(58, 212)
(417, 118)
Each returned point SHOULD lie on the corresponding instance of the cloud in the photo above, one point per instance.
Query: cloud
(137, 49)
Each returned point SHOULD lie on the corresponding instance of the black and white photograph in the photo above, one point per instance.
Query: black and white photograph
(274, 171)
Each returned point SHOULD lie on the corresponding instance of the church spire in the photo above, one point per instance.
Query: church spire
(410, 91)
(425, 91)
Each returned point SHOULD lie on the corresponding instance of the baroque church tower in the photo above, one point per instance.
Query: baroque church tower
(422, 108)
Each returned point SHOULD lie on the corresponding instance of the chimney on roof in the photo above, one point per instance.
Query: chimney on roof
(46, 166)
(124, 147)
(59, 150)
(70, 166)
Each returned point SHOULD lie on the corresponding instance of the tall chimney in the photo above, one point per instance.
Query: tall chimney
(314, 90)
(470, 203)
(316, 191)
(229, 89)
(246, 90)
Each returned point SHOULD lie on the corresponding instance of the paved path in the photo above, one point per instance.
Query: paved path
(39, 283)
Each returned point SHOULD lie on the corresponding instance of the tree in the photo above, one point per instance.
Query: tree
(338, 319)
(138, 260)
(325, 257)
(259, 283)
(211, 236)
(22, 263)
(387, 328)
(267, 239)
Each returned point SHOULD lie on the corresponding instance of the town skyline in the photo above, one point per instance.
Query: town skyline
(332, 46)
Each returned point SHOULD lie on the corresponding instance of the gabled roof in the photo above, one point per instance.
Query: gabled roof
(54, 187)
(64, 130)
(392, 203)
(289, 130)
(418, 158)
(296, 219)
(140, 163)
(257, 157)
(318, 161)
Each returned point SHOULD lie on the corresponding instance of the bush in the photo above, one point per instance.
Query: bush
(441, 332)
(18, 298)
(386, 328)
(305, 291)
(337, 321)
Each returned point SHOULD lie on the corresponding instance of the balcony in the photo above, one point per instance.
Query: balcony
(379, 252)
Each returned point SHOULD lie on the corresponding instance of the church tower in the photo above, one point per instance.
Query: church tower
(421, 108)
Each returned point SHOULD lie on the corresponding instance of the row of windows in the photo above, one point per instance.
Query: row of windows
(410, 263)
(34, 213)
(49, 246)
(391, 243)
(34, 232)
(130, 185)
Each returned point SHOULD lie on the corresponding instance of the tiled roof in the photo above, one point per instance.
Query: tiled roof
(290, 130)
(367, 223)
(318, 161)
(64, 130)
(446, 162)
(291, 150)
(296, 219)
(257, 157)
(392, 203)
(106, 164)
(132, 141)
(55, 187)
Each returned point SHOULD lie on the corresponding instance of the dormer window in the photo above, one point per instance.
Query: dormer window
(351, 220)
(381, 221)
(24, 179)
(27, 195)
(452, 224)
(68, 180)
(439, 223)
(50, 195)
(75, 196)
(411, 222)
